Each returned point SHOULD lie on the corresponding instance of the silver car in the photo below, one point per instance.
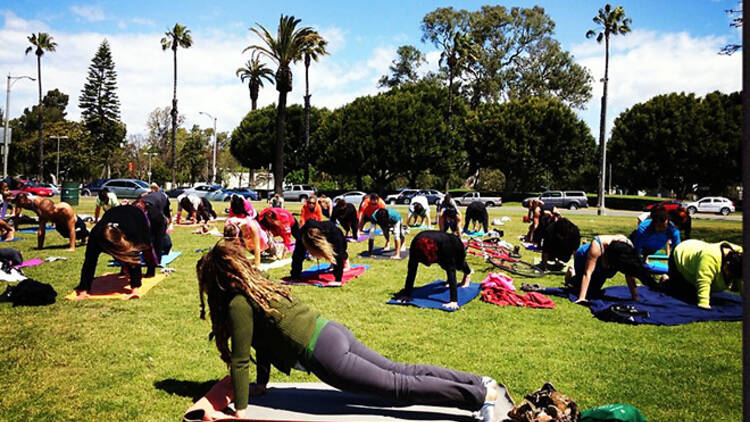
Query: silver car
(126, 188)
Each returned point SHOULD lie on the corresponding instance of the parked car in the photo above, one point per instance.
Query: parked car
(717, 204)
(488, 200)
(246, 193)
(299, 192)
(400, 197)
(125, 188)
(36, 189)
(92, 188)
(668, 205)
(54, 188)
(433, 196)
(571, 199)
(210, 192)
(354, 197)
(174, 193)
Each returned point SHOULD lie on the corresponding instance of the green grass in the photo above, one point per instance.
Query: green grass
(148, 359)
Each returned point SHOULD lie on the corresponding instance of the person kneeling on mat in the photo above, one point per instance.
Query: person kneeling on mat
(389, 221)
(123, 232)
(600, 260)
(62, 215)
(257, 313)
(346, 215)
(323, 240)
(477, 214)
(447, 250)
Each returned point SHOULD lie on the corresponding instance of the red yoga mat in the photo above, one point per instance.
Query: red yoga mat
(322, 277)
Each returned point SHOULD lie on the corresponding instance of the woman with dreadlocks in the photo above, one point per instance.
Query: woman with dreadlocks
(256, 313)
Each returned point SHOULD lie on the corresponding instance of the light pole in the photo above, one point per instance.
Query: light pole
(150, 154)
(57, 169)
(11, 81)
(213, 178)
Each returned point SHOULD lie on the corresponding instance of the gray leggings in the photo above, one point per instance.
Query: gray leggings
(343, 362)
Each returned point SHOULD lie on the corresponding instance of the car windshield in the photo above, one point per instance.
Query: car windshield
(141, 183)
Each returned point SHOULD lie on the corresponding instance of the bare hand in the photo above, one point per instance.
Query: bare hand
(403, 298)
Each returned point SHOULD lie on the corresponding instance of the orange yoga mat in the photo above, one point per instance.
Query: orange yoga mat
(116, 287)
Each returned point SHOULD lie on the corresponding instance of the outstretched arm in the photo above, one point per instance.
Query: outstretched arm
(591, 259)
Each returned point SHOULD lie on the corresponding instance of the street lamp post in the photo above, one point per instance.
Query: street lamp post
(11, 81)
(150, 154)
(213, 178)
(57, 169)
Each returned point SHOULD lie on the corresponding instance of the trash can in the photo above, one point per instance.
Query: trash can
(70, 193)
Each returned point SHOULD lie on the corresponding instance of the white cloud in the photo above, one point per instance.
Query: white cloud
(89, 13)
(644, 64)
(143, 21)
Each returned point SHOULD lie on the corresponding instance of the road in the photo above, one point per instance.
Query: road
(626, 213)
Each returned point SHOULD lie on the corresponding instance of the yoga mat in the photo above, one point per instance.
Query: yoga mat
(658, 267)
(662, 308)
(30, 263)
(436, 294)
(378, 253)
(658, 256)
(32, 230)
(112, 286)
(378, 232)
(473, 233)
(420, 227)
(531, 247)
(165, 260)
(361, 238)
(265, 266)
(298, 402)
(15, 239)
(319, 275)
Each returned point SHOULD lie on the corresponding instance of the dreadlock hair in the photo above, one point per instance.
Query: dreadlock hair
(116, 244)
(317, 244)
(681, 219)
(623, 257)
(560, 239)
(732, 261)
(237, 205)
(224, 272)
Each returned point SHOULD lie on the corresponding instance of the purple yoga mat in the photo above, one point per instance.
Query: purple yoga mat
(30, 263)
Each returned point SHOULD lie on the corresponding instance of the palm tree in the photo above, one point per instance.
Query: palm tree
(179, 36)
(40, 42)
(611, 22)
(315, 48)
(284, 49)
(254, 71)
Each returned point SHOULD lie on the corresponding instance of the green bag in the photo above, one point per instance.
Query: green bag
(613, 413)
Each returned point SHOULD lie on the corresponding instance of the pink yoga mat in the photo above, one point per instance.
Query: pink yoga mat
(327, 279)
(30, 263)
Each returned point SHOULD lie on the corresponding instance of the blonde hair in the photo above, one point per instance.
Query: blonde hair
(317, 244)
(116, 244)
(224, 272)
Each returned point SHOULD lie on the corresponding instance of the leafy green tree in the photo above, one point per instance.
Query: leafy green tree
(611, 22)
(178, 36)
(535, 142)
(314, 48)
(194, 153)
(404, 68)
(40, 42)
(100, 105)
(254, 72)
(158, 124)
(285, 49)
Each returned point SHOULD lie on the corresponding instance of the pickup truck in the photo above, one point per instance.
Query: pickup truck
(570, 199)
(470, 197)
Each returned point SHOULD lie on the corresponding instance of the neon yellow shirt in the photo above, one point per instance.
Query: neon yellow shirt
(700, 263)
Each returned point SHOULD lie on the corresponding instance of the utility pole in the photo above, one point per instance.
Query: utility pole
(11, 81)
(57, 168)
(213, 178)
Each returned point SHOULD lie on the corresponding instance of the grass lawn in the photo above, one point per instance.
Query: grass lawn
(149, 359)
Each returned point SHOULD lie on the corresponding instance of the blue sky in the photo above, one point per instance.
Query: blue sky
(672, 48)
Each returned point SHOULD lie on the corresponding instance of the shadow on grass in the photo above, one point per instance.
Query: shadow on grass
(193, 389)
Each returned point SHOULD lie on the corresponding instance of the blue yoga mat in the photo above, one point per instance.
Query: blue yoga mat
(436, 294)
(420, 227)
(657, 267)
(15, 239)
(321, 268)
(33, 229)
(165, 260)
(473, 233)
(378, 232)
(663, 309)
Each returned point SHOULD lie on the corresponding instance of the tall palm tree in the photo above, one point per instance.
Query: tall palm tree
(284, 49)
(254, 72)
(179, 36)
(40, 42)
(611, 22)
(315, 48)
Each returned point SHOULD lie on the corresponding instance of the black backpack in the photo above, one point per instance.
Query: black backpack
(29, 293)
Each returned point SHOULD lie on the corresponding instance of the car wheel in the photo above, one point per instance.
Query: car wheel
(573, 206)
(407, 201)
(692, 210)
(86, 192)
(392, 201)
(490, 204)
(303, 198)
(724, 211)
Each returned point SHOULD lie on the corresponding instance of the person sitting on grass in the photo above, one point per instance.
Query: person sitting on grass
(345, 214)
(419, 208)
(310, 210)
(453, 216)
(104, 201)
(560, 240)
(241, 207)
(369, 205)
(61, 215)
(326, 205)
(655, 233)
(697, 269)
(596, 262)
(279, 222)
(389, 221)
(322, 239)
(430, 247)
(477, 214)
(123, 232)
(249, 311)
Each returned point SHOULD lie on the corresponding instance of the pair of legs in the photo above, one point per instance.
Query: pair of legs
(343, 362)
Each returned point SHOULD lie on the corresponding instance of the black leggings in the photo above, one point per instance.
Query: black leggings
(341, 361)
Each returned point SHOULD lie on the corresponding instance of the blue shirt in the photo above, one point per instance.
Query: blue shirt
(579, 260)
(645, 238)
(393, 216)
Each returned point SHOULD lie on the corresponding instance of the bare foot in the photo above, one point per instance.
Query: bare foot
(70, 250)
(451, 305)
(81, 295)
(135, 293)
(397, 256)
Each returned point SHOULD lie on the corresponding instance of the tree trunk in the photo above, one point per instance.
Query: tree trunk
(173, 161)
(254, 88)
(41, 119)
(307, 122)
(602, 128)
(278, 159)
